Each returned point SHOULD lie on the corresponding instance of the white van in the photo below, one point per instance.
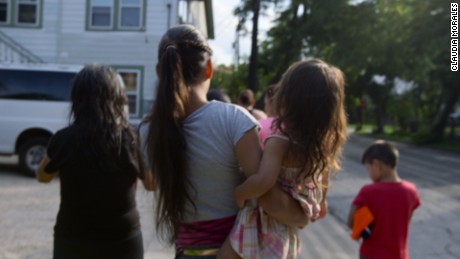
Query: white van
(34, 104)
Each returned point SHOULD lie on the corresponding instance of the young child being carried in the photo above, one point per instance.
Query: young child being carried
(310, 129)
(390, 200)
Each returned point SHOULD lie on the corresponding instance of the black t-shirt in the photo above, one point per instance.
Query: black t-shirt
(97, 204)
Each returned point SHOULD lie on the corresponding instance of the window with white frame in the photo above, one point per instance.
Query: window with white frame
(116, 14)
(130, 13)
(20, 13)
(132, 81)
(101, 13)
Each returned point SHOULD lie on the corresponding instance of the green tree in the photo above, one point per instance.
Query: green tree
(390, 38)
(405, 39)
(243, 11)
(437, 16)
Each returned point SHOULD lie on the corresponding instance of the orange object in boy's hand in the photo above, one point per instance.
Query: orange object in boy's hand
(362, 219)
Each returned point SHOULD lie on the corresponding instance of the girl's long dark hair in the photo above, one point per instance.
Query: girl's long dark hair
(182, 58)
(309, 104)
(98, 110)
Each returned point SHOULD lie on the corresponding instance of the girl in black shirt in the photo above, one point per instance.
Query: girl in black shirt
(98, 161)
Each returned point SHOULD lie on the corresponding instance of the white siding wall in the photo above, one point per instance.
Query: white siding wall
(63, 38)
(42, 41)
(120, 48)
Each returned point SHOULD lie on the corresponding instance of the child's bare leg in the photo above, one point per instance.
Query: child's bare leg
(226, 251)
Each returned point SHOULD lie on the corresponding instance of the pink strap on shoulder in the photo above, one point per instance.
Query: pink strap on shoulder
(276, 135)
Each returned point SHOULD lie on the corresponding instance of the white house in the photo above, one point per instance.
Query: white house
(121, 33)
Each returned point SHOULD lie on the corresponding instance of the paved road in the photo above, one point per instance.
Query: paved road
(28, 210)
(27, 213)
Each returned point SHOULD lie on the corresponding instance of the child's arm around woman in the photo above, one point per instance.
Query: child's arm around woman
(258, 184)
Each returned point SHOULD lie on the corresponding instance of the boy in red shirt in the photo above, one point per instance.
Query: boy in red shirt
(391, 201)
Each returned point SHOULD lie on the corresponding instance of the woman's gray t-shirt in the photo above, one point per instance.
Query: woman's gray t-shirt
(211, 133)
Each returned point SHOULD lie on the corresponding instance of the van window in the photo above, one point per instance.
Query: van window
(35, 85)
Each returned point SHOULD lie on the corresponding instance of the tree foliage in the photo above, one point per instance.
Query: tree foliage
(393, 39)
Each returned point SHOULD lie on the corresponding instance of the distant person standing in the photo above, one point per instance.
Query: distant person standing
(246, 100)
(98, 161)
(391, 201)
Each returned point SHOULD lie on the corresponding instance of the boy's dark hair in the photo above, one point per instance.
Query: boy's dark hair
(382, 151)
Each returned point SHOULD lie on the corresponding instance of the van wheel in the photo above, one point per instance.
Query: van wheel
(31, 154)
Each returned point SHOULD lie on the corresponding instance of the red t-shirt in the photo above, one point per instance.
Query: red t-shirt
(392, 204)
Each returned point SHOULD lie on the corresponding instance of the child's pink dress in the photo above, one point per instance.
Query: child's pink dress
(256, 235)
(265, 129)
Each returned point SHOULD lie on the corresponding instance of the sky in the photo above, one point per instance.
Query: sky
(224, 30)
